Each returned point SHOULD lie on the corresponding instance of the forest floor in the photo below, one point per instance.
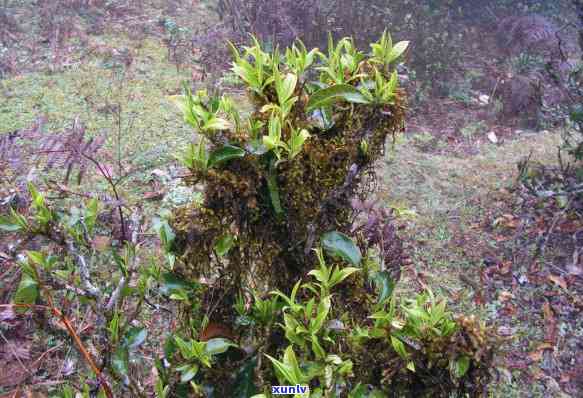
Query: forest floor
(472, 240)
(470, 234)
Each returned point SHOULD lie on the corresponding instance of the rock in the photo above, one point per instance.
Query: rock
(404, 79)
(336, 324)
(492, 137)
(484, 99)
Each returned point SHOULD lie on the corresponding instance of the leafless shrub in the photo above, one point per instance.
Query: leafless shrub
(69, 150)
(531, 33)
(521, 97)
(376, 227)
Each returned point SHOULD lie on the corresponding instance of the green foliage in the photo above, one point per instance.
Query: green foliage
(299, 59)
(328, 277)
(384, 91)
(383, 51)
(253, 66)
(197, 353)
(338, 92)
(339, 245)
(202, 112)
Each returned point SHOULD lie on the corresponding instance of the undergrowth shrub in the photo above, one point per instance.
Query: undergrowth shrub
(283, 274)
(278, 197)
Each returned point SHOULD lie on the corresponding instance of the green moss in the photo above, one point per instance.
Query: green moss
(92, 91)
(313, 191)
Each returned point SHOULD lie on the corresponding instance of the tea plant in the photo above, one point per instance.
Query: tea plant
(283, 273)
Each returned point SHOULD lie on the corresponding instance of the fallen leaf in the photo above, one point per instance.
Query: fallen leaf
(214, 330)
(505, 267)
(153, 195)
(507, 220)
(550, 324)
(558, 281)
(536, 356)
(505, 296)
(18, 349)
(101, 243)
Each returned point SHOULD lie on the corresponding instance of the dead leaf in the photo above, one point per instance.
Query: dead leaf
(507, 220)
(505, 296)
(153, 195)
(214, 330)
(550, 324)
(505, 267)
(537, 354)
(17, 349)
(101, 243)
(557, 280)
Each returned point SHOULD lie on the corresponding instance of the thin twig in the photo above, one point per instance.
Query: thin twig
(14, 354)
(84, 273)
(540, 251)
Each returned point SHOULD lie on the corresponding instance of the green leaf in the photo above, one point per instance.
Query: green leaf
(290, 359)
(8, 225)
(91, 212)
(172, 283)
(27, 291)
(120, 361)
(244, 385)
(37, 258)
(384, 285)
(287, 87)
(135, 337)
(334, 94)
(296, 141)
(461, 366)
(224, 154)
(273, 189)
(317, 348)
(68, 392)
(120, 262)
(224, 244)
(398, 50)
(399, 347)
(167, 235)
(161, 390)
(217, 123)
(185, 348)
(285, 370)
(187, 372)
(339, 275)
(218, 346)
(37, 199)
(338, 244)
(321, 315)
